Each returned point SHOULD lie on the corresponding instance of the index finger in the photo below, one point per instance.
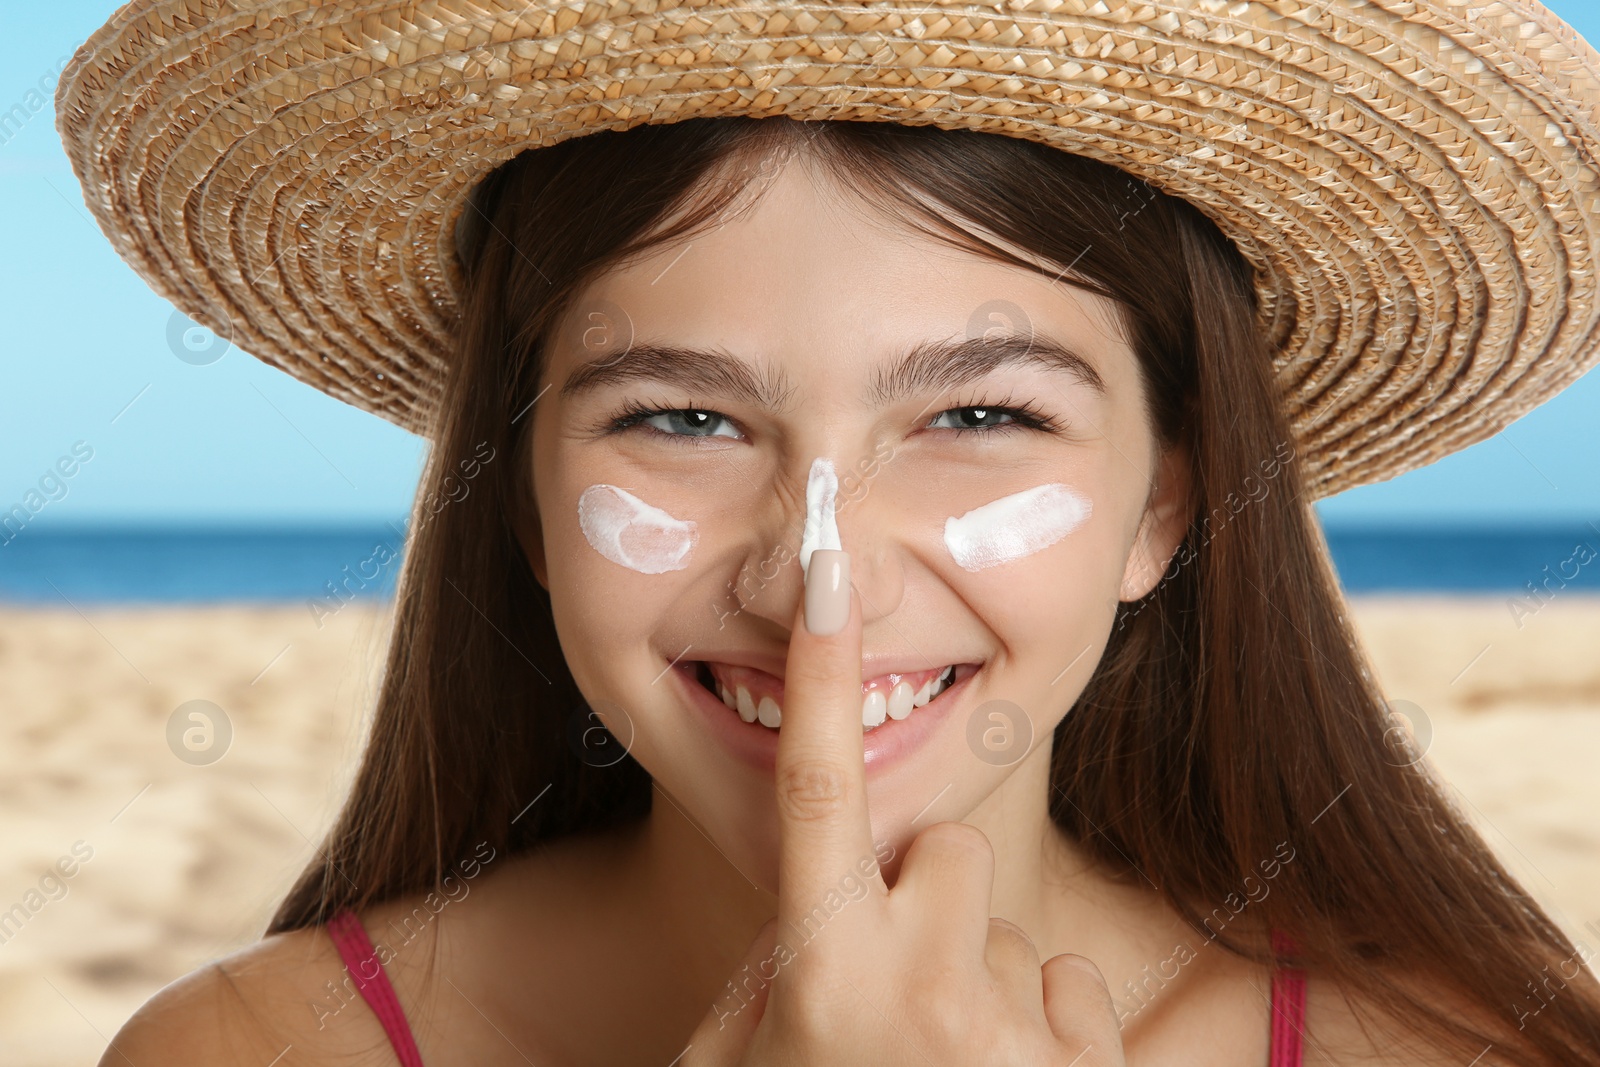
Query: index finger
(820, 778)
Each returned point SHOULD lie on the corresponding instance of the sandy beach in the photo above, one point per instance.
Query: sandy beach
(176, 859)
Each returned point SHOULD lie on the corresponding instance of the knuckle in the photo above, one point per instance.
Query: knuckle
(1010, 943)
(812, 789)
(942, 1013)
(1079, 976)
(807, 1006)
(1082, 996)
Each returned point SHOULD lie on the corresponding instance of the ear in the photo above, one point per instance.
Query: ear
(1161, 528)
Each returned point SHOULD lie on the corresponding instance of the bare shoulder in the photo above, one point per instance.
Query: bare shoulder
(289, 999)
(250, 1008)
(1345, 1030)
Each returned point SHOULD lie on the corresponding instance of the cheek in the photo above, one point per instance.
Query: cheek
(633, 534)
(1042, 567)
(1016, 526)
(1046, 599)
(618, 565)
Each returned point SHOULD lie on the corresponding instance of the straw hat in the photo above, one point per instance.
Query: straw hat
(1416, 181)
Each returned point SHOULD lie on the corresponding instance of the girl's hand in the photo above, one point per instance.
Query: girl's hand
(918, 976)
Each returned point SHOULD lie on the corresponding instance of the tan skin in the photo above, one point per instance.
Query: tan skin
(608, 949)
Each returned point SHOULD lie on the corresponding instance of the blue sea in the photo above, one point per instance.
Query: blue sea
(332, 564)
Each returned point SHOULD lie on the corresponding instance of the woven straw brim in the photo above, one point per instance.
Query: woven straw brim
(1415, 182)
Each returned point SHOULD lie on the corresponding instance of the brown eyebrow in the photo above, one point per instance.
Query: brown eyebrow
(710, 370)
(929, 366)
(934, 366)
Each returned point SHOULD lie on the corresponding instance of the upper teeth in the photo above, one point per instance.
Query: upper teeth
(876, 706)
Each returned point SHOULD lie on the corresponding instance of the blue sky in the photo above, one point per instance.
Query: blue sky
(85, 363)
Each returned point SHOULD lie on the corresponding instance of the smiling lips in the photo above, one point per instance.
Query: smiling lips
(758, 696)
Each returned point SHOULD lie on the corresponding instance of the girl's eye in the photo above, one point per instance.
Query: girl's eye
(673, 422)
(981, 418)
(682, 423)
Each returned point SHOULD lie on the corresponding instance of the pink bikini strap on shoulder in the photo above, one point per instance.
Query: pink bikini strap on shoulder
(355, 948)
(1288, 1005)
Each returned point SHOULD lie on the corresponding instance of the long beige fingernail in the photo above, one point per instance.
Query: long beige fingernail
(828, 591)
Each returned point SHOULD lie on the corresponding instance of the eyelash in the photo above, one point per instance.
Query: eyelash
(1024, 415)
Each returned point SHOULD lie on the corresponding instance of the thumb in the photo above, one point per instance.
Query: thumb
(1080, 1010)
(725, 1031)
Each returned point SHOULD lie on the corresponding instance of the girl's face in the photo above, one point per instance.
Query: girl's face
(999, 490)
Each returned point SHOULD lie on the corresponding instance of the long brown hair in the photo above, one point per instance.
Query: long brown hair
(1231, 748)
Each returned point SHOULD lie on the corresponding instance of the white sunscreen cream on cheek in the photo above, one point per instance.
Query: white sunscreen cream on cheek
(1015, 526)
(822, 529)
(626, 530)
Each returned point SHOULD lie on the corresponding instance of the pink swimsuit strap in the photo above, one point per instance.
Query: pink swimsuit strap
(1288, 1006)
(355, 948)
(350, 937)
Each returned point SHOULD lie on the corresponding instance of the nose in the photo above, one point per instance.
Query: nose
(771, 583)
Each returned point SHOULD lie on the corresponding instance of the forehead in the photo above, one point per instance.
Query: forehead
(810, 277)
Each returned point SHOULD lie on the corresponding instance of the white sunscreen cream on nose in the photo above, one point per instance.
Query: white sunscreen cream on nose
(1015, 526)
(822, 530)
(626, 530)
